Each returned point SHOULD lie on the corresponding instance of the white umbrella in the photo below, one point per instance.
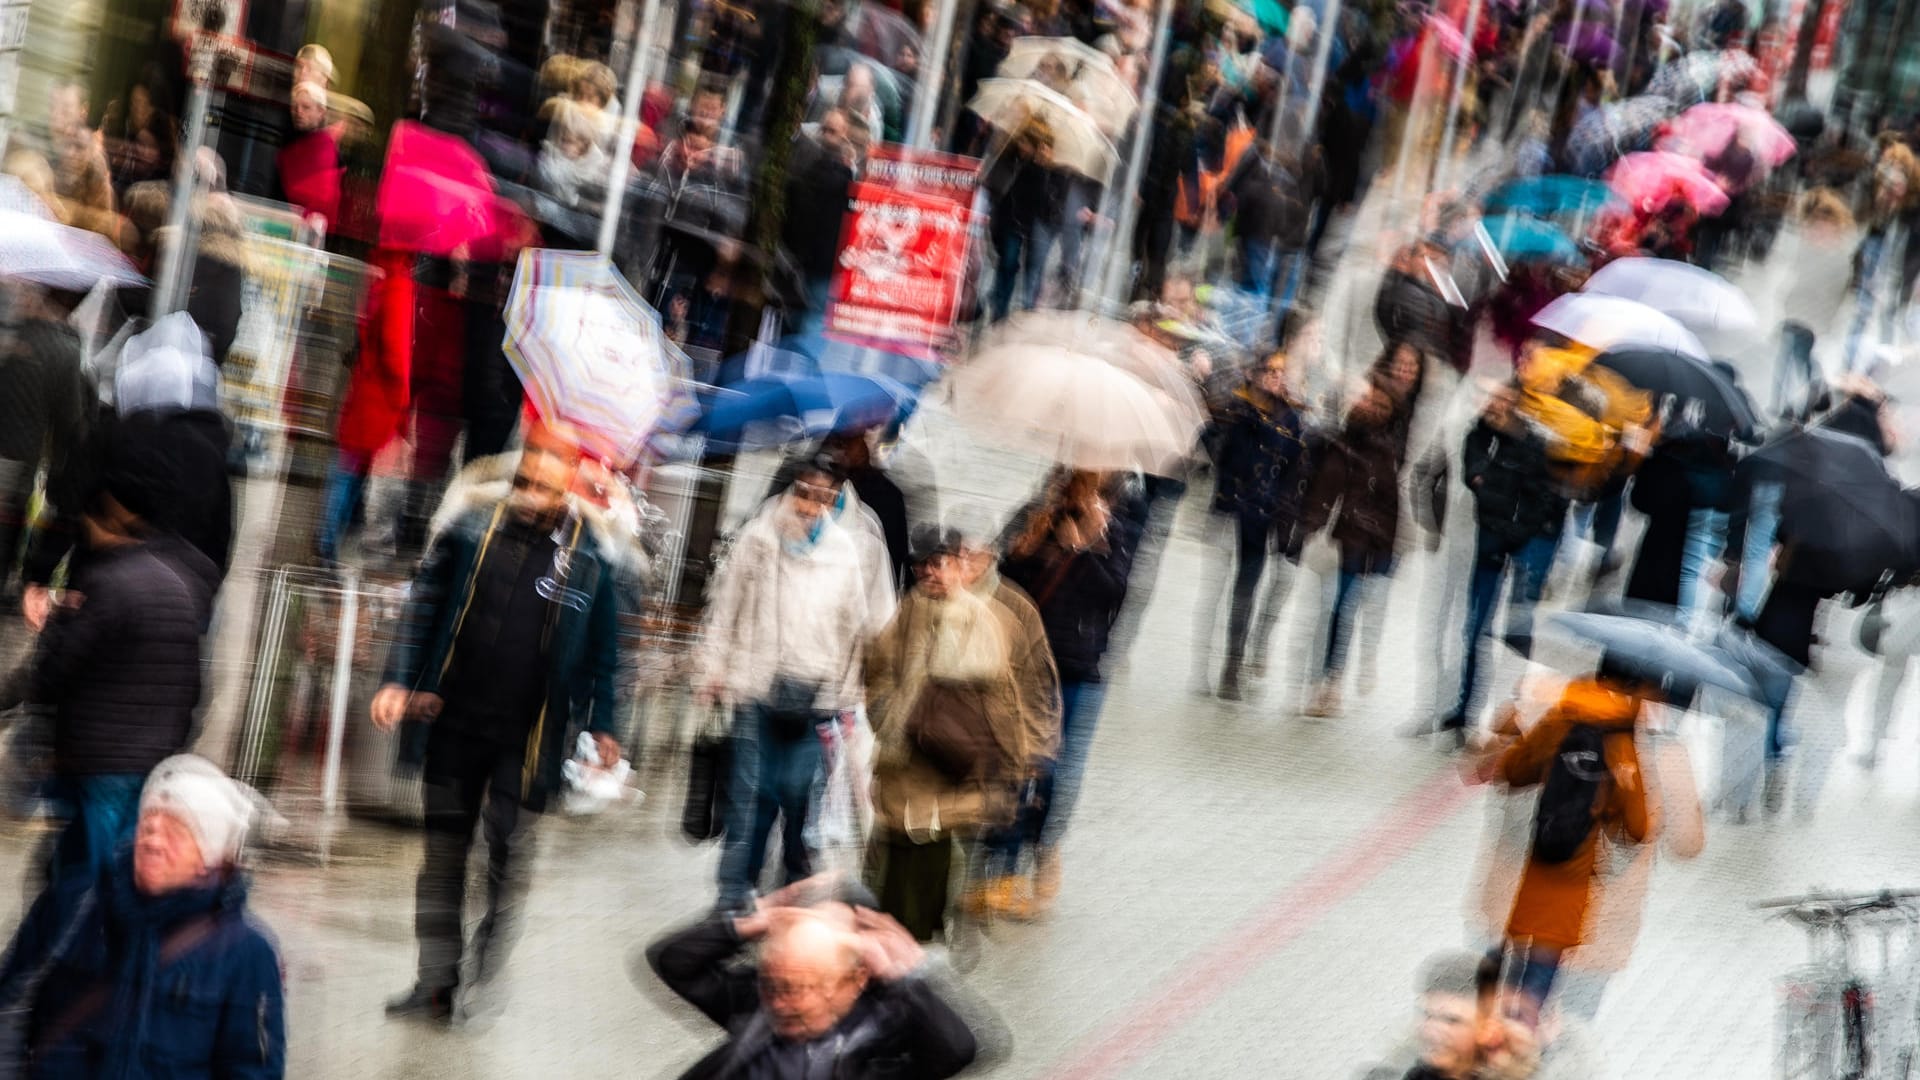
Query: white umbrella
(1071, 400)
(36, 248)
(1092, 80)
(1607, 322)
(1078, 142)
(1698, 298)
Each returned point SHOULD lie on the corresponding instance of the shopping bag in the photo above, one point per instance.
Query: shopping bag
(843, 814)
(710, 764)
(590, 786)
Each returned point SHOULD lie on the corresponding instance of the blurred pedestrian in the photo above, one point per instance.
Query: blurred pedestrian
(829, 990)
(1518, 513)
(1072, 556)
(140, 138)
(155, 963)
(1582, 755)
(819, 175)
(1271, 192)
(119, 662)
(1887, 263)
(1029, 198)
(509, 648)
(1261, 472)
(1816, 258)
(309, 174)
(965, 703)
(43, 414)
(79, 161)
(788, 620)
(1356, 489)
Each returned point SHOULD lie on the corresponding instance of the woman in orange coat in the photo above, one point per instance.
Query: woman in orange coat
(1552, 904)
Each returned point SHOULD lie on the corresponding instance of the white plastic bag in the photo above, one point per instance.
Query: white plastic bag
(844, 813)
(591, 787)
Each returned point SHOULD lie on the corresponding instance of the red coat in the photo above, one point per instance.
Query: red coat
(310, 173)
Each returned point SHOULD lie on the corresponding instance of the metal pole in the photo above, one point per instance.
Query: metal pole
(629, 125)
(343, 649)
(173, 261)
(933, 73)
(1444, 168)
(1119, 253)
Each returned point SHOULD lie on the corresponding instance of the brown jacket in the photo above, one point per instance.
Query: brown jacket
(910, 795)
(1550, 908)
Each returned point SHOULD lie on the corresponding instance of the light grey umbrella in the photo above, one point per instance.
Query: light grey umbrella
(1663, 652)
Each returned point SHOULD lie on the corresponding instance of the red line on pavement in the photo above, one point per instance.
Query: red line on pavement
(1207, 977)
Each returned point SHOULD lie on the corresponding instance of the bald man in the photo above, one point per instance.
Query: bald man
(837, 990)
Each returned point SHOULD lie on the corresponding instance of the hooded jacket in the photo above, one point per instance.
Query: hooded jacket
(582, 631)
(1550, 907)
(215, 1007)
(1514, 493)
(1261, 468)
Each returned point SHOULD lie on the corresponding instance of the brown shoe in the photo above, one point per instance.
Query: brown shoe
(1326, 700)
(1046, 877)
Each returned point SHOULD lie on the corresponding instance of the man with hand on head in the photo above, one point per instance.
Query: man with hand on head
(837, 989)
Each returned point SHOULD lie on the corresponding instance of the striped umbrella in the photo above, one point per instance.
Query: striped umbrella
(591, 353)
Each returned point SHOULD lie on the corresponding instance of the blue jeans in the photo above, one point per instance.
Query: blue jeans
(1524, 564)
(1347, 595)
(102, 811)
(1763, 521)
(1794, 377)
(1272, 274)
(1046, 807)
(1015, 250)
(1706, 539)
(346, 486)
(772, 778)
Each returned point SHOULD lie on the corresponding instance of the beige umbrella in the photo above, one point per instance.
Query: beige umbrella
(1084, 74)
(1078, 143)
(1085, 391)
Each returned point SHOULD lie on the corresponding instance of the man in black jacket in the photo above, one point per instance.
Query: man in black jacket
(835, 991)
(1518, 512)
(119, 665)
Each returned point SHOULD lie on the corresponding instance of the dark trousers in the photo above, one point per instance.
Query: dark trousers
(773, 779)
(911, 880)
(1524, 564)
(1256, 538)
(467, 781)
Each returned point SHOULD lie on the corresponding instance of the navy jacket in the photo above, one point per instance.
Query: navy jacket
(215, 1010)
(1261, 467)
(582, 642)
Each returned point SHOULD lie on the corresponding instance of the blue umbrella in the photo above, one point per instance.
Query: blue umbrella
(832, 354)
(1525, 239)
(775, 409)
(1550, 196)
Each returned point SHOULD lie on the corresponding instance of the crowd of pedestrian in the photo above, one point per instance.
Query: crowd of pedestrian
(912, 696)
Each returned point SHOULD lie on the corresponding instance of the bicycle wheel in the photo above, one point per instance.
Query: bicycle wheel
(1808, 1024)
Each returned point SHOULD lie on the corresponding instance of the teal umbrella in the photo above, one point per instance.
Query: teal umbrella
(1524, 239)
(1548, 196)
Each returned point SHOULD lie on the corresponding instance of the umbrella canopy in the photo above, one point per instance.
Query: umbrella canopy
(1091, 80)
(1659, 650)
(1078, 399)
(1524, 239)
(774, 409)
(1706, 131)
(1700, 299)
(1608, 322)
(590, 352)
(1842, 514)
(1609, 132)
(1078, 142)
(1550, 196)
(1700, 76)
(36, 248)
(1697, 395)
(1654, 181)
(166, 367)
(1589, 43)
(833, 354)
(436, 195)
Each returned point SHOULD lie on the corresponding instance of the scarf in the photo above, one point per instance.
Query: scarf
(137, 927)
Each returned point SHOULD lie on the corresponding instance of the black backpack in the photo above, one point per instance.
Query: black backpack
(1571, 795)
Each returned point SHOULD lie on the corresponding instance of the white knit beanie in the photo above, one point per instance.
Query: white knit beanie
(217, 809)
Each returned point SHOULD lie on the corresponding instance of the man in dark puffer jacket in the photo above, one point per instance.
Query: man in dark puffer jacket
(119, 665)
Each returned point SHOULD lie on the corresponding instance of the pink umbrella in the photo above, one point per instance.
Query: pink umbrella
(1705, 131)
(436, 195)
(1653, 180)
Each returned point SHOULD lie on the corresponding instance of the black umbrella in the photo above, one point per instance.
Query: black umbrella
(1843, 517)
(1700, 396)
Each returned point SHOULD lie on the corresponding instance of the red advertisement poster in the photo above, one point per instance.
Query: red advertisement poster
(904, 253)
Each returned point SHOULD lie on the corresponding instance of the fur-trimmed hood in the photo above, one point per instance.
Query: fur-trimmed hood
(484, 482)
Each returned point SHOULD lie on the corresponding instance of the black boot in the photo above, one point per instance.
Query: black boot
(423, 1003)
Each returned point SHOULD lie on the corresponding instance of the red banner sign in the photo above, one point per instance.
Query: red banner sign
(904, 253)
